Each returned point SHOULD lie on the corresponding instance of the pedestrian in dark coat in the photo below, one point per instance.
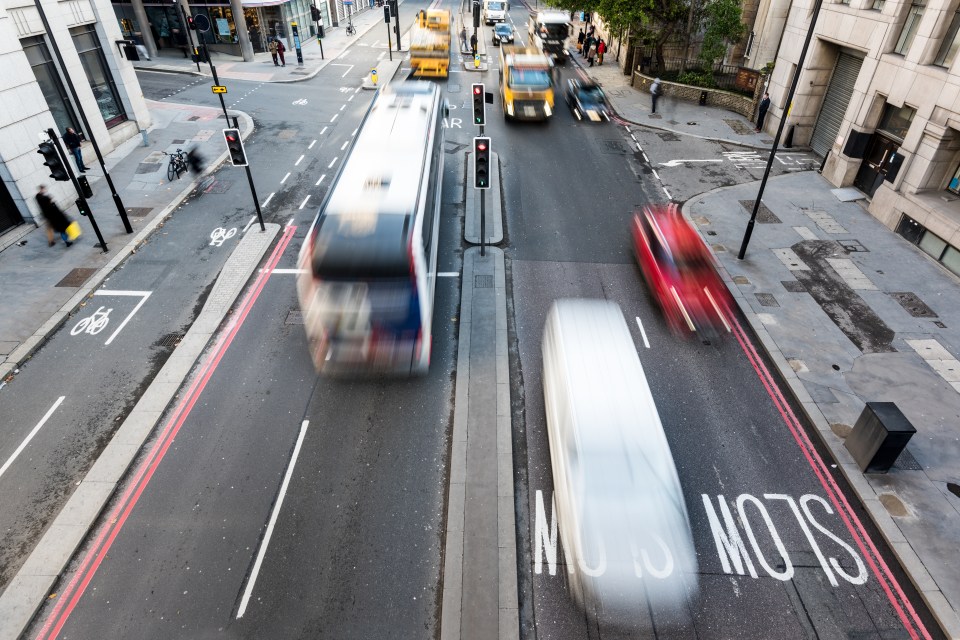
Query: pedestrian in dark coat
(762, 113)
(655, 92)
(473, 43)
(280, 50)
(72, 140)
(56, 219)
(587, 43)
(580, 38)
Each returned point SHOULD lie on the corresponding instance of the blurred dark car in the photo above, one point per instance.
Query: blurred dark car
(587, 100)
(680, 272)
(502, 32)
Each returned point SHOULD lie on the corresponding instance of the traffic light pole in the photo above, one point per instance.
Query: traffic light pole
(253, 189)
(82, 203)
(83, 117)
(483, 215)
(186, 29)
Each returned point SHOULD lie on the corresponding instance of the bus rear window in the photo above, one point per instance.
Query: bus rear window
(382, 252)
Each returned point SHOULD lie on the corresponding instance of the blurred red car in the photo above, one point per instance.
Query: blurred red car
(680, 271)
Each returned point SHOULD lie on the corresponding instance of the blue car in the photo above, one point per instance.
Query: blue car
(587, 101)
(502, 32)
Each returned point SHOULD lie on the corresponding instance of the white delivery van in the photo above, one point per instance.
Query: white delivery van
(495, 11)
(623, 522)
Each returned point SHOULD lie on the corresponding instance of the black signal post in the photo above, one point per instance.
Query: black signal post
(62, 168)
(479, 106)
(481, 181)
(238, 156)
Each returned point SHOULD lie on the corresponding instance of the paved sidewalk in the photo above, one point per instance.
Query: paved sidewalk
(49, 282)
(850, 313)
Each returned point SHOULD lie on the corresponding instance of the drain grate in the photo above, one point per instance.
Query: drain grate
(907, 462)
(295, 316)
(913, 305)
(764, 215)
(76, 277)
(482, 282)
(767, 300)
(853, 246)
(793, 286)
(738, 126)
(169, 340)
(139, 212)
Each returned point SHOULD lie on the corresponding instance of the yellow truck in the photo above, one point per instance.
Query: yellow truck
(527, 82)
(430, 44)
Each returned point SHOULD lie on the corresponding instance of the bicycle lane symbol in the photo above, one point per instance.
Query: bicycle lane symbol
(220, 235)
(99, 319)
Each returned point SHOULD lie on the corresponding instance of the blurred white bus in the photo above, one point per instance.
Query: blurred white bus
(623, 520)
(370, 259)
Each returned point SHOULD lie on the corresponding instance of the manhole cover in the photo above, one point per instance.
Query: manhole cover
(853, 246)
(148, 167)
(767, 300)
(614, 146)
(76, 277)
(764, 215)
(913, 305)
(286, 134)
(138, 212)
(793, 286)
(738, 126)
(219, 186)
(483, 282)
(295, 316)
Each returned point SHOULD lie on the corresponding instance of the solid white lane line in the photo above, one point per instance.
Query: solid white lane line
(324, 130)
(299, 160)
(285, 178)
(269, 198)
(448, 274)
(272, 522)
(333, 162)
(26, 441)
(250, 223)
(320, 180)
(643, 333)
(344, 145)
(304, 203)
(335, 116)
(311, 145)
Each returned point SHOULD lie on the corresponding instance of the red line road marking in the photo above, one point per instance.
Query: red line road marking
(911, 622)
(101, 546)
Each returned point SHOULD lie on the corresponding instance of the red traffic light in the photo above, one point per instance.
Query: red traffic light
(481, 146)
(477, 89)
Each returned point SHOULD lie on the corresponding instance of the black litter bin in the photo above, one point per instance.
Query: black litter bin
(703, 98)
(879, 436)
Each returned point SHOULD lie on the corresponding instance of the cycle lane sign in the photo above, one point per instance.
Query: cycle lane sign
(96, 322)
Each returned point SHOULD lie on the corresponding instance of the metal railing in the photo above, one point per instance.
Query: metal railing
(695, 72)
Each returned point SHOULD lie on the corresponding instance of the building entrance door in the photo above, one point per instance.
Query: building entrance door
(9, 215)
(880, 157)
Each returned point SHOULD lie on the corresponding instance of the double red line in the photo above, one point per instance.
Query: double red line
(899, 601)
(145, 470)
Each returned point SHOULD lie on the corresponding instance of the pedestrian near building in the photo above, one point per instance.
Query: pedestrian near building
(587, 43)
(655, 91)
(56, 219)
(272, 47)
(280, 50)
(591, 53)
(580, 38)
(473, 43)
(601, 49)
(762, 112)
(72, 140)
(463, 38)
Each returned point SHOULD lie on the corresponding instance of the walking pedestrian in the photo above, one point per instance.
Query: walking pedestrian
(72, 140)
(655, 92)
(591, 53)
(762, 113)
(580, 38)
(463, 38)
(587, 43)
(473, 43)
(272, 47)
(56, 219)
(601, 49)
(280, 50)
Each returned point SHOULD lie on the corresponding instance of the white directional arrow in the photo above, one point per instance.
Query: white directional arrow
(677, 163)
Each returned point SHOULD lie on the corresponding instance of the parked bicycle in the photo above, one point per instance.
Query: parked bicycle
(351, 30)
(177, 164)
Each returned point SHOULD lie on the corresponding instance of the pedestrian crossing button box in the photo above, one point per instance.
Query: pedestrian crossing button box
(878, 437)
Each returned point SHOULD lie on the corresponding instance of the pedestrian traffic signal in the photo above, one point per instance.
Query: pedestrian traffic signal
(479, 106)
(235, 146)
(481, 163)
(51, 158)
(191, 23)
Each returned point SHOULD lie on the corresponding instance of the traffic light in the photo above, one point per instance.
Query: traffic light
(191, 23)
(479, 106)
(476, 14)
(83, 207)
(481, 163)
(51, 158)
(84, 187)
(235, 146)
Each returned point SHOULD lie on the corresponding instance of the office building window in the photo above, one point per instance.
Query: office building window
(910, 27)
(930, 243)
(878, 5)
(98, 74)
(896, 120)
(948, 48)
(49, 80)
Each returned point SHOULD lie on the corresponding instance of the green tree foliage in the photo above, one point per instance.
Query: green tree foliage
(722, 19)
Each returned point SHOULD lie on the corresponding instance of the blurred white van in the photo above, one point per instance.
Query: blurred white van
(495, 11)
(623, 521)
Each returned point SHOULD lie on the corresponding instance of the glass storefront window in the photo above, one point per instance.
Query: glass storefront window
(896, 120)
(165, 25)
(98, 74)
(49, 80)
(951, 260)
(932, 244)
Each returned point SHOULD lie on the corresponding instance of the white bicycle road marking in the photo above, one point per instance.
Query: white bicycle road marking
(92, 324)
(99, 319)
(220, 235)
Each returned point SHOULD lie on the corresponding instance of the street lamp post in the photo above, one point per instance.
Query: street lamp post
(83, 117)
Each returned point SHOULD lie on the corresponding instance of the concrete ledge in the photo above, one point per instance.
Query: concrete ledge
(493, 207)
(28, 590)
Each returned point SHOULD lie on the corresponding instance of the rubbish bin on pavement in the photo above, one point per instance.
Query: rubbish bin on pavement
(879, 436)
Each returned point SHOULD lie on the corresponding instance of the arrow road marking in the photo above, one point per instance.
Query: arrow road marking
(677, 163)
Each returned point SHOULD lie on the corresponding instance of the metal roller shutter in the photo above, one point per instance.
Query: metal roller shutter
(835, 102)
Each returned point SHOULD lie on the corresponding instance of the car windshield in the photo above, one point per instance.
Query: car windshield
(495, 6)
(532, 79)
(591, 94)
(502, 29)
